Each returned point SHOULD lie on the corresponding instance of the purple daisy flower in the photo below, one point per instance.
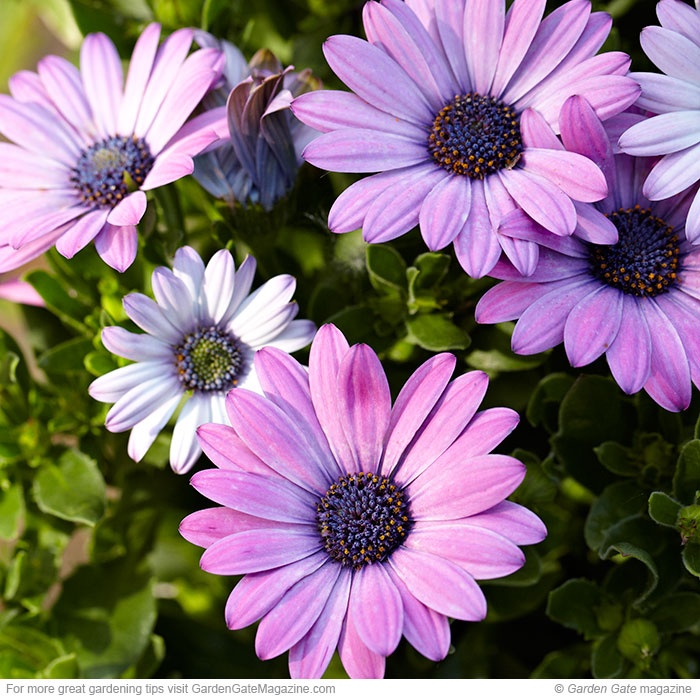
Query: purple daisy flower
(86, 145)
(259, 162)
(674, 133)
(444, 96)
(356, 522)
(637, 302)
(201, 333)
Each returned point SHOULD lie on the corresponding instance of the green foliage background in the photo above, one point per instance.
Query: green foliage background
(95, 581)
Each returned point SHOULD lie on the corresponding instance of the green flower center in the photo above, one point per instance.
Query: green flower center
(209, 360)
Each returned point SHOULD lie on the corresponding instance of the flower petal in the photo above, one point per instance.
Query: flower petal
(259, 550)
(364, 406)
(373, 590)
(457, 595)
(592, 325)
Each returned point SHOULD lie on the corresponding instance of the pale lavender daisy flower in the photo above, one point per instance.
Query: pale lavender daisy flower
(259, 161)
(443, 97)
(637, 302)
(201, 333)
(674, 133)
(355, 522)
(86, 145)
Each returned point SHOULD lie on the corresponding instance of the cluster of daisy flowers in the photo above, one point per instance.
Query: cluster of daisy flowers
(546, 164)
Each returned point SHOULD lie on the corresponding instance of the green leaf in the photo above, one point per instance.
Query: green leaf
(58, 300)
(619, 503)
(677, 612)
(691, 558)
(663, 509)
(73, 489)
(424, 277)
(606, 659)
(543, 406)
(105, 615)
(26, 652)
(66, 357)
(62, 667)
(12, 512)
(574, 605)
(592, 412)
(686, 481)
(616, 458)
(638, 641)
(386, 268)
(436, 333)
(99, 363)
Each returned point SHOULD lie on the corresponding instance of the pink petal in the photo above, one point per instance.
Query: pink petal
(592, 325)
(444, 211)
(451, 488)
(259, 550)
(450, 415)
(364, 406)
(413, 405)
(457, 595)
(257, 593)
(117, 246)
(264, 496)
(296, 612)
(129, 211)
(517, 523)
(310, 656)
(101, 70)
(358, 660)
(373, 590)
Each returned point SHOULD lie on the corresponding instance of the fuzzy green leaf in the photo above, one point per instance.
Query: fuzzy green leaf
(73, 489)
(574, 605)
(436, 333)
(686, 481)
(663, 509)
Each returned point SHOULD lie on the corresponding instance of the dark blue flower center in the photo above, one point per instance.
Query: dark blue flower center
(362, 519)
(476, 135)
(109, 169)
(209, 360)
(645, 260)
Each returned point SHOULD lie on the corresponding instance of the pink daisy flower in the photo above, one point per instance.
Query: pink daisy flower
(85, 145)
(355, 522)
(444, 97)
(674, 97)
(636, 302)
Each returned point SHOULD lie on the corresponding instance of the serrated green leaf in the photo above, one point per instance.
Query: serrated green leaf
(686, 481)
(663, 509)
(73, 489)
(12, 512)
(574, 605)
(436, 333)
